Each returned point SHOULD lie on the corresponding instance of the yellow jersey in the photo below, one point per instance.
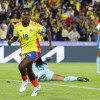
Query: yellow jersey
(28, 36)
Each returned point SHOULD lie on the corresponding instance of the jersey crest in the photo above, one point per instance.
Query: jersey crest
(30, 29)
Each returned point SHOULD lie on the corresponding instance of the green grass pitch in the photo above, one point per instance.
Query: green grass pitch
(52, 90)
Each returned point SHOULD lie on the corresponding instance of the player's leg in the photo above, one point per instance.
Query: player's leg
(33, 56)
(23, 70)
(98, 61)
(57, 77)
(50, 75)
(33, 80)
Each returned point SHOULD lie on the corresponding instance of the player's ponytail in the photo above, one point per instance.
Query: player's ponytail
(39, 62)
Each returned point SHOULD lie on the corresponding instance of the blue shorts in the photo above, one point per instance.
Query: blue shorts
(48, 74)
(33, 55)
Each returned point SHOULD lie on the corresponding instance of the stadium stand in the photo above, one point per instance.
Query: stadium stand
(65, 18)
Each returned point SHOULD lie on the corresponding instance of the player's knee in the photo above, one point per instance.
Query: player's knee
(29, 70)
(31, 75)
(20, 67)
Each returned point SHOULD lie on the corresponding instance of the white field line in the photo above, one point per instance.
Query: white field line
(55, 84)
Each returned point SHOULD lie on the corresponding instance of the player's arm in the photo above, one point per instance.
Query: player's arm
(14, 38)
(47, 31)
(96, 31)
(49, 38)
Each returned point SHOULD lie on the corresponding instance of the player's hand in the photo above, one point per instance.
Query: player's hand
(9, 42)
(50, 47)
(93, 30)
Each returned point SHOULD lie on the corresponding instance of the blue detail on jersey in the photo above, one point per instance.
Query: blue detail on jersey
(21, 30)
(25, 36)
(44, 29)
(40, 68)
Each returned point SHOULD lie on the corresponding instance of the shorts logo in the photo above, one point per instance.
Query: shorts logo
(29, 54)
(30, 29)
(21, 30)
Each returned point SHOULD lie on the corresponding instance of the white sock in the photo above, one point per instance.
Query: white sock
(70, 78)
(98, 63)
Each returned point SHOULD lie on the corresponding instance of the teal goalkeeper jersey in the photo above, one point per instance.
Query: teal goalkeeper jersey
(41, 68)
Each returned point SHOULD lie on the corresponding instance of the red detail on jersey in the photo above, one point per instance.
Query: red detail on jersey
(35, 24)
(36, 57)
(18, 24)
(38, 44)
(30, 29)
(20, 45)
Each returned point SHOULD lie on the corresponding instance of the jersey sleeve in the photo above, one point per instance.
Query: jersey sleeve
(42, 29)
(98, 27)
(15, 32)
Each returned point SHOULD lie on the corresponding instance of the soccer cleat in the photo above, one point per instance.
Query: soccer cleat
(83, 79)
(36, 89)
(98, 71)
(23, 86)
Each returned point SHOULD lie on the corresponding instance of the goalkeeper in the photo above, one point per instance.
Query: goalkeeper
(43, 73)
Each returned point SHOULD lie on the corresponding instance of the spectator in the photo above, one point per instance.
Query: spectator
(54, 10)
(11, 25)
(74, 35)
(3, 30)
(83, 35)
(27, 3)
(3, 11)
(65, 32)
(96, 19)
(70, 12)
(90, 32)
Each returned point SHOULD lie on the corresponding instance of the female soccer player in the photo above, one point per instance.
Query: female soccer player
(43, 73)
(26, 32)
(97, 30)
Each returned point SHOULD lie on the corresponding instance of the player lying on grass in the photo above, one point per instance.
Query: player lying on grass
(43, 73)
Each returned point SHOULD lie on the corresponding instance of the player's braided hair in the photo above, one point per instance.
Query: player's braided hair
(39, 62)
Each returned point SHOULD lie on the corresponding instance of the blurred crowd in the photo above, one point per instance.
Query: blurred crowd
(68, 20)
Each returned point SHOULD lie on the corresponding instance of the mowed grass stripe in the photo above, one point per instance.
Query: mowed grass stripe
(55, 84)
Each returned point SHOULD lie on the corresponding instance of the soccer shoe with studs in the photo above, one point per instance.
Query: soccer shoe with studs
(36, 89)
(98, 71)
(23, 86)
(83, 79)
